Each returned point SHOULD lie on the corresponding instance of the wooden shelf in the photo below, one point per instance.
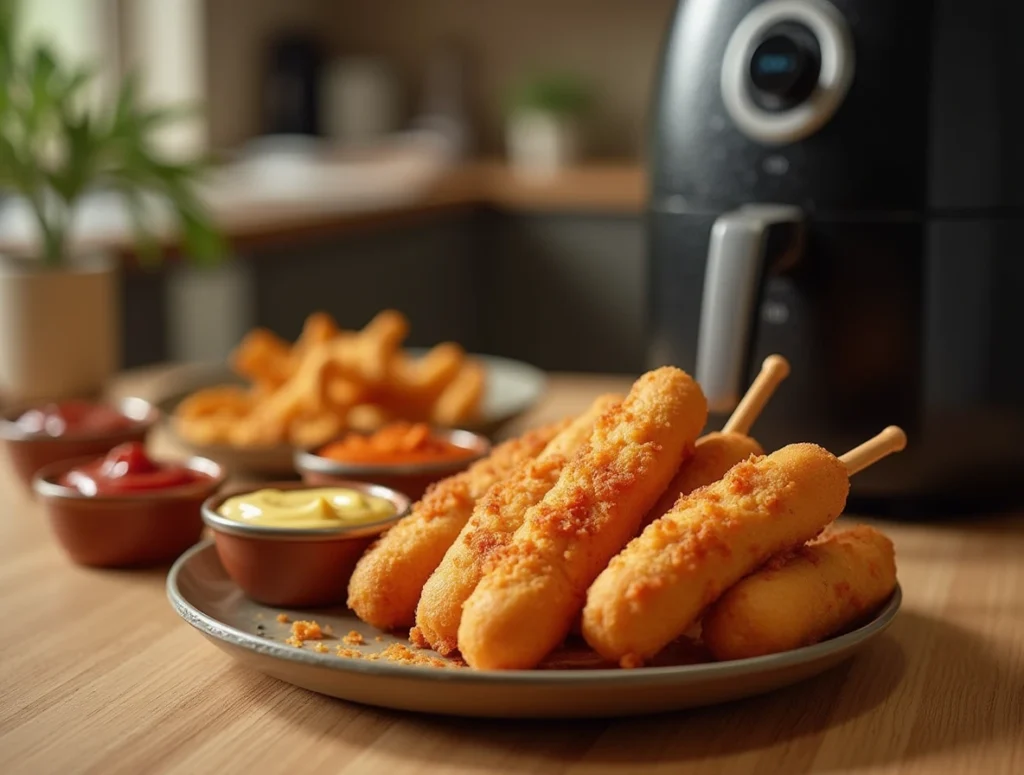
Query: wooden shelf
(600, 188)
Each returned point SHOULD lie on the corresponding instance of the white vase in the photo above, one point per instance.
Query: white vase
(541, 144)
(59, 329)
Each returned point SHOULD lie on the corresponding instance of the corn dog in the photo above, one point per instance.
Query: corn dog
(803, 597)
(717, 452)
(495, 518)
(389, 577)
(527, 600)
(656, 588)
(659, 584)
(713, 455)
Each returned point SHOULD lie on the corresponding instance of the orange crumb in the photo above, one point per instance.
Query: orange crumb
(379, 639)
(293, 641)
(341, 651)
(354, 638)
(319, 648)
(303, 631)
(631, 661)
(283, 618)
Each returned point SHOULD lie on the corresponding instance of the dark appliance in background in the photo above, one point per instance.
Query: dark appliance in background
(289, 97)
(843, 182)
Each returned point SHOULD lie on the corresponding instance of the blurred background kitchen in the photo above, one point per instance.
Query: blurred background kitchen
(477, 165)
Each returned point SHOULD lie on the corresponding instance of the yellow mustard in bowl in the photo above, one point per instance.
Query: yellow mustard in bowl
(307, 508)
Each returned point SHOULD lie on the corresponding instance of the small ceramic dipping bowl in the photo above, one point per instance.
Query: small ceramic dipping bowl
(411, 479)
(298, 567)
(139, 529)
(29, 452)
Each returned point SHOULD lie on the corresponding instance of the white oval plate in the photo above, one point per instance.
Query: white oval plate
(204, 596)
(512, 388)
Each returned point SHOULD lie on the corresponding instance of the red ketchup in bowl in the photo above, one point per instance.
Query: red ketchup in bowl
(73, 418)
(127, 469)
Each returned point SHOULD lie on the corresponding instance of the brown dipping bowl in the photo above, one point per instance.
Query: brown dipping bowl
(411, 479)
(29, 452)
(119, 531)
(297, 567)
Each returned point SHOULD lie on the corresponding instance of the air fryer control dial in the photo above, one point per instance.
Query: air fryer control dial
(787, 67)
(784, 67)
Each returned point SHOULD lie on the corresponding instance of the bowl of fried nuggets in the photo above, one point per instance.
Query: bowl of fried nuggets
(281, 397)
(628, 528)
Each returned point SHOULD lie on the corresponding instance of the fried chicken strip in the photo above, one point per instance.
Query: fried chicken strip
(803, 597)
(495, 518)
(657, 587)
(526, 602)
(387, 581)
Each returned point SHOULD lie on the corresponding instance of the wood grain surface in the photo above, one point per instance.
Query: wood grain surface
(97, 674)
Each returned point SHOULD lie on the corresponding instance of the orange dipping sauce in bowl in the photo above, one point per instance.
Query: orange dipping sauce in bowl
(399, 443)
(407, 457)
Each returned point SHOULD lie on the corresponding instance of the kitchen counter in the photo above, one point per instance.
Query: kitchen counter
(596, 188)
(98, 674)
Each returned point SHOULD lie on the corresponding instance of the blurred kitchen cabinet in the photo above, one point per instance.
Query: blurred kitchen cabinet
(565, 292)
(427, 270)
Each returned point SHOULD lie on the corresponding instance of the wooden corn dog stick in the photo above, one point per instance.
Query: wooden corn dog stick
(774, 369)
(890, 440)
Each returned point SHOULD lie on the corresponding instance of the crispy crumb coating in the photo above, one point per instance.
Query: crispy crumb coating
(660, 583)
(387, 581)
(713, 455)
(810, 594)
(526, 602)
(495, 518)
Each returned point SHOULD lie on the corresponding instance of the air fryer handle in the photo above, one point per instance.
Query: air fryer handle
(737, 258)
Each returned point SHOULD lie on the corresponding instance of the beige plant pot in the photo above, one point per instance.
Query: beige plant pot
(59, 329)
(541, 144)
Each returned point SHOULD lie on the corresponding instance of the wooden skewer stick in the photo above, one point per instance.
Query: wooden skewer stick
(774, 369)
(890, 440)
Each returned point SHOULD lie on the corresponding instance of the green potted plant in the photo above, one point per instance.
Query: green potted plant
(543, 130)
(59, 312)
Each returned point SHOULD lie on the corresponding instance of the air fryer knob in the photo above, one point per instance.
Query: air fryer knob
(784, 67)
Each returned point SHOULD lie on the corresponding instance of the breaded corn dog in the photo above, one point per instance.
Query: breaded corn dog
(495, 518)
(659, 584)
(713, 455)
(803, 597)
(389, 577)
(717, 452)
(526, 602)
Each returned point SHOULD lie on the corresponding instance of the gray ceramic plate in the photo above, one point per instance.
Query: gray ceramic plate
(206, 598)
(512, 388)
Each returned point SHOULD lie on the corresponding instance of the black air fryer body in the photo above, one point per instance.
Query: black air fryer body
(843, 183)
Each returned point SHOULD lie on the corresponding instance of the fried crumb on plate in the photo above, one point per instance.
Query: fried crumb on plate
(399, 652)
(320, 648)
(303, 631)
(354, 638)
(379, 639)
(283, 618)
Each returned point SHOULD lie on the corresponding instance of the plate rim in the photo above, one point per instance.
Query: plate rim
(211, 627)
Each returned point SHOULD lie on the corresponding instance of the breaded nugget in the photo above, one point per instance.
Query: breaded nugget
(713, 455)
(803, 597)
(495, 518)
(525, 604)
(660, 583)
(387, 581)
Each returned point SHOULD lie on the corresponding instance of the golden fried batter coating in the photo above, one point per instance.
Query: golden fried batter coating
(714, 454)
(801, 598)
(495, 518)
(389, 577)
(526, 602)
(681, 563)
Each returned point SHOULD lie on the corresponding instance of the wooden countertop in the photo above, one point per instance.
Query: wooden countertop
(608, 188)
(97, 674)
